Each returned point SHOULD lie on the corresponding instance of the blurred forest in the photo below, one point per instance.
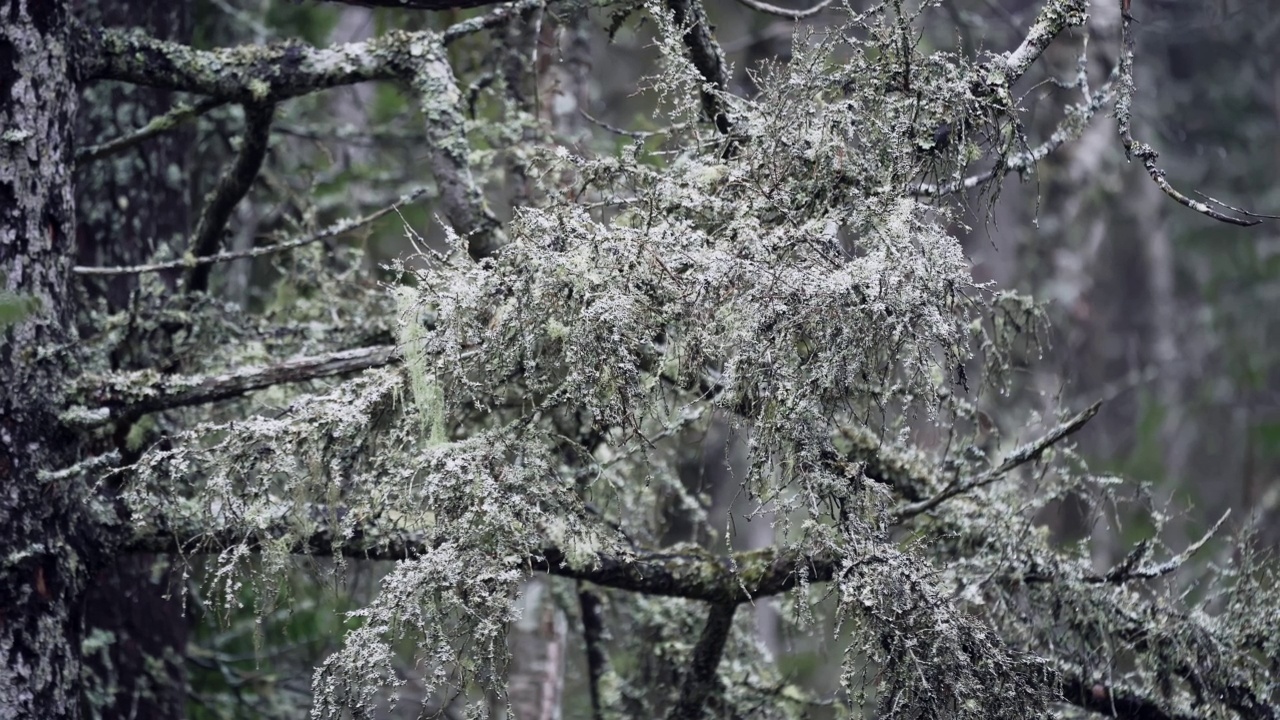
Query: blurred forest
(1171, 318)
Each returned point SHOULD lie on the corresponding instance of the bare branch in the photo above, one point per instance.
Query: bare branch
(1144, 152)
(130, 395)
(637, 134)
(170, 120)
(231, 189)
(768, 9)
(1235, 209)
(337, 229)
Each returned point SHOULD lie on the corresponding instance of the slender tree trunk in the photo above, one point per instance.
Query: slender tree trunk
(43, 521)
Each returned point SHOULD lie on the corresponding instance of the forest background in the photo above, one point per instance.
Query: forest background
(1167, 316)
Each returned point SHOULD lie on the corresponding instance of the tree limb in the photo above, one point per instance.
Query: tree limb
(700, 680)
(337, 229)
(760, 573)
(418, 4)
(1069, 130)
(164, 123)
(444, 130)
(231, 189)
(593, 636)
(259, 74)
(130, 395)
(705, 53)
(692, 576)
(787, 13)
(1144, 152)
(1054, 17)
(1023, 455)
(1115, 701)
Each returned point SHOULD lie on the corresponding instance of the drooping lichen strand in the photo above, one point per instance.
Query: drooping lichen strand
(427, 393)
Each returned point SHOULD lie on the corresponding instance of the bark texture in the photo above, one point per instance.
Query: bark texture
(42, 573)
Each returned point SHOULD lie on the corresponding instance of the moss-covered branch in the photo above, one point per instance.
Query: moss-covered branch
(130, 395)
(706, 55)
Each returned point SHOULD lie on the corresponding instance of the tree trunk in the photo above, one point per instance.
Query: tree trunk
(42, 512)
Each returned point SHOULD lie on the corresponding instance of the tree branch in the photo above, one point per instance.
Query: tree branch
(1054, 17)
(593, 636)
(1144, 152)
(231, 189)
(1023, 455)
(787, 13)
(707, 57)
(700, 681)
(130, 395)
(1069, 130)
(496, 17)
(693, 576)
(1115, 701)
(170, 120)
(418, 4)
(337, 229)
(431, 77)
(259, 74)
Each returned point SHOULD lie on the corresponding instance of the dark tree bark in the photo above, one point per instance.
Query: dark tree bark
(128, 206)
(42, 573)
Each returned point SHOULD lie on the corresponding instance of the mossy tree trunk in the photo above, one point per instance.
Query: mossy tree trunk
(42, 512)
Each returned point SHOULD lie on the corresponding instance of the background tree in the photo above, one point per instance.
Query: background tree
(773, 260)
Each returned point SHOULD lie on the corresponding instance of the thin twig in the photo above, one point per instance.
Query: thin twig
(155, 126)
(1131, 568)
(341, 227)
(1234, 209)
(1144, 152)
(1076, 120)
(1023, 455)
(766, 8)
(637, 134)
